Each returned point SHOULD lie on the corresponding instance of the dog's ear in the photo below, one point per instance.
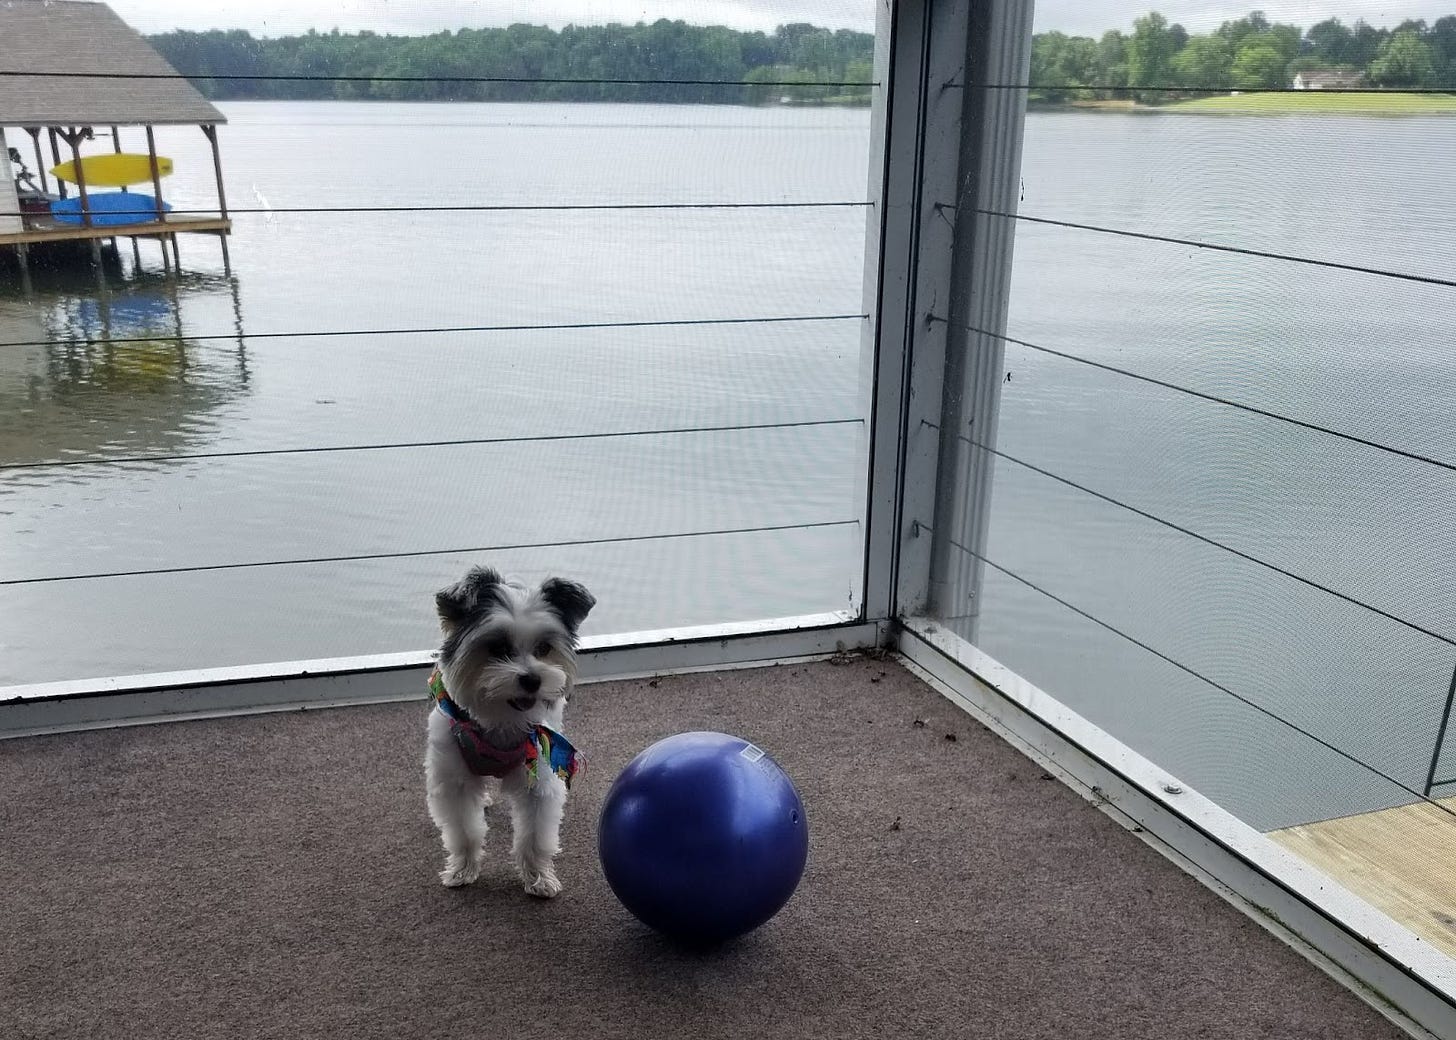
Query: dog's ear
(570, 600)
(463, 600)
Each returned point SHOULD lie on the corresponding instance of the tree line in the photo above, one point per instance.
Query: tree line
(1245, 54)
(419, 68)
(1156, 61)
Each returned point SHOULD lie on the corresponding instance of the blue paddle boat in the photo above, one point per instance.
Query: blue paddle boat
(108, 209)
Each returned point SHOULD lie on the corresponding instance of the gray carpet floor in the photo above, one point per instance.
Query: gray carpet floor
(274, 876)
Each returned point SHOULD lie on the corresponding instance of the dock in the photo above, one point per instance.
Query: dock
(76, 75)
(1400, 860)
(47, 230)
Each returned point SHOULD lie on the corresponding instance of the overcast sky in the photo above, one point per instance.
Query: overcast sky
(1090, 17)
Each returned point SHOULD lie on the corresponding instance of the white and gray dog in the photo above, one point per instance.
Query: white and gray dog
(505, 671)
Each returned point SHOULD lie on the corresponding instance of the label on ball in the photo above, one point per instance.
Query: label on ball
(751, 753)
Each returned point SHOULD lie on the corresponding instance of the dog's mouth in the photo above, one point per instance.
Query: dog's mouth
(522, 703)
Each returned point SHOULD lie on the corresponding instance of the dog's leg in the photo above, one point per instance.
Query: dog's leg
(457, 801)
(536, 814)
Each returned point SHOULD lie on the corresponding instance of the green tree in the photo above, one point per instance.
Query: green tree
(1233, 33)
(1286, 39)
(1368, 42)
(578, 62)
(1150, 55)
(1205, 64)
(1405, 61)
(754, 48)
(1258, 66)
(582, 63)
(1112, 61)
(764, 90)
(862, 71)
(1443, 44)
(1061, 63)
(1331, 43)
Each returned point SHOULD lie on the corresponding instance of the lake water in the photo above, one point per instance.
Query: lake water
(1367, 355)
(357, 272)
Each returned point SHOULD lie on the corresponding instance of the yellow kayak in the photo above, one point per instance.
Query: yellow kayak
(113, 171)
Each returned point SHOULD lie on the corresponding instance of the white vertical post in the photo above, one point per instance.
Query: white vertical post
(998, 61)
(943, 146)
(876, 489)
(921, 141)
(10, 220)
(40, 166)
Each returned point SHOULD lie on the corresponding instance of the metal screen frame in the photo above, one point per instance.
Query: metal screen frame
(962, 61)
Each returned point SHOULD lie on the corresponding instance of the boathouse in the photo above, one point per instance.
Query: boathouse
(77, 83)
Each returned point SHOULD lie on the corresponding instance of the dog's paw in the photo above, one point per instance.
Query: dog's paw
(543, 886)
(459, 871)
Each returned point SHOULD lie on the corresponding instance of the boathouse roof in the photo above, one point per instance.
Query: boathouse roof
(75, 38)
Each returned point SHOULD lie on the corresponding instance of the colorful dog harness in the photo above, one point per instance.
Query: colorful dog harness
(485, 759)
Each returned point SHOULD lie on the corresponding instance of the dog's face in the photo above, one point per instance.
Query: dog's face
(509, 648)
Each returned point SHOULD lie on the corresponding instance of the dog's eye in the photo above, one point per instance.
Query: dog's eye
(543, 648)
(498, 647)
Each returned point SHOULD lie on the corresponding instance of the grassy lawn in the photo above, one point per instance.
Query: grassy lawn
(1316, 102)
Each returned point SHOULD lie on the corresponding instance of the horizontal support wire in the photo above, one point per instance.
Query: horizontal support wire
(1143, 236)
(502, 208)
(414, 554)
(1112, 88)
(1170, 89)
(671, 431)
(439, 330)
(1212, 398)
(1311, 583)
(524, 80)
(1440, 746)
(1249, 702)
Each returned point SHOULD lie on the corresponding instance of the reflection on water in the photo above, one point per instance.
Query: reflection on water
(95, 367)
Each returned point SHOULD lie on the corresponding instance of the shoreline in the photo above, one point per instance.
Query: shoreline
(1362, 103)
(811, 103)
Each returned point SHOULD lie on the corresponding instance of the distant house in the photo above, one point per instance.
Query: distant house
(1329, 79)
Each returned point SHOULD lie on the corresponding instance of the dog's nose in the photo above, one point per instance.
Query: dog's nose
(530, 682)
